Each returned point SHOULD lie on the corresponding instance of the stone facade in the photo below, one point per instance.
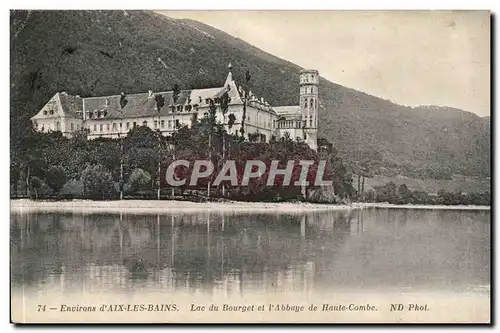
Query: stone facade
(106, 116)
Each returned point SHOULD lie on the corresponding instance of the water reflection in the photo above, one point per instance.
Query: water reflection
(229, 253)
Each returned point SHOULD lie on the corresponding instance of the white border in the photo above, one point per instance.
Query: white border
(169, 4)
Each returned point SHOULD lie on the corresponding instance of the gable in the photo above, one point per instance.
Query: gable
(52, 109)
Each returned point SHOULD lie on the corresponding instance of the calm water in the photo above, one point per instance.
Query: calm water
(372, 249)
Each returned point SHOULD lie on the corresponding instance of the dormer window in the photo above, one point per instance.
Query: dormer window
(45, 112)
(207, 100)
(196, 107)
(188, 108)
(51, 112)
(172, 108)
(179, 108)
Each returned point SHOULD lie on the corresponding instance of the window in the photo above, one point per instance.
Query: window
(305, 104)
(121, 125)
(107, 127)
(127, 125)
(305, 136)
(51, 111)
(77, 127)
(45, 112)
(188, 108)
(163, 124)
(134, 124)
(156, 124)
(196, 107)
(114, 126)
(170, 124)
(144, 123)
(177, 123)
(310, 122)
(179, 108)
(172, 108)
(72, 126)
(311, 103)
(58, 126)
(95, 128)
(100, 127)
(207, 100)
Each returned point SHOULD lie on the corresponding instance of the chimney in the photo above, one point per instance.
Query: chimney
(262, 100)
(150, 93)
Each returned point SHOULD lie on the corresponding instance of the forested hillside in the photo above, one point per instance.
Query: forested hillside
(93, 53)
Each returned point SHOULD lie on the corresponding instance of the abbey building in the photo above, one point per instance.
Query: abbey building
(113, 116)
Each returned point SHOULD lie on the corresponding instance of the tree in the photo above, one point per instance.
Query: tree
(160, 102)
(137, 179)
(35, 184)
(97, 181)
(56, 178)
(123, 102)
(224, 107)
(404, 193)
(175, 96)
(231, 119)
(245, 95)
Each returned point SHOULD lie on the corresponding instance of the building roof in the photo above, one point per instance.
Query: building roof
(71, 105)
(144, 104)
(287, 110)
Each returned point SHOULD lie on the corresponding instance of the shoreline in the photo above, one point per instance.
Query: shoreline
(164, 206)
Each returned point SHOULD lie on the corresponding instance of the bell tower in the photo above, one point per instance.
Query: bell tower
(309, 105)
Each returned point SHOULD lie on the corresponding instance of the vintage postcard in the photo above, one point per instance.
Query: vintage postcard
(250, 166)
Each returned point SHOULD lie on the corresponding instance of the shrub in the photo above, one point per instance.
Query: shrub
(97, 182)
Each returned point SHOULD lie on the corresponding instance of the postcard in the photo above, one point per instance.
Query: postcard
(250, 167)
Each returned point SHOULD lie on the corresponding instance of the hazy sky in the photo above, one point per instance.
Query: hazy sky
(411, 58)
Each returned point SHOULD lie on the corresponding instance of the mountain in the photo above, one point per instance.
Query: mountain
(93, 53)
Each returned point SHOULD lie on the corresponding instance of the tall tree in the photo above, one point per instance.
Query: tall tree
(224, 107)
(160, 103)
(244, 97)
(56, 178)
(123, 103)
(175, 97)
(212, 112)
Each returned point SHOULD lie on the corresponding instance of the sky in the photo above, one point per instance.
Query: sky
(412, 58)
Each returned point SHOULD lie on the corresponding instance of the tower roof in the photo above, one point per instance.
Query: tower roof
(305, 70)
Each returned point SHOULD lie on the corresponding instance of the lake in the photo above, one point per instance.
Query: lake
(372, 253)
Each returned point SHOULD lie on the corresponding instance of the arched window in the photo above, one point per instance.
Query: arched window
(311, 103)
(305, 104)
